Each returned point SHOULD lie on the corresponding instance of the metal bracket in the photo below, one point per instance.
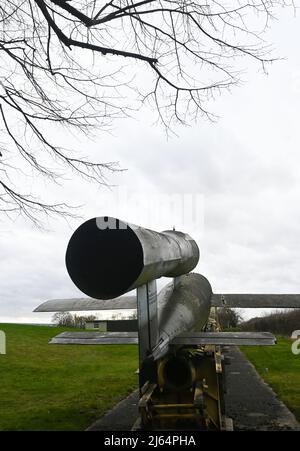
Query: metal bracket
(147, 321)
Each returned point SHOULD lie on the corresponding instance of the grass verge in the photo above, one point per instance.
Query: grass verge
(60, 387)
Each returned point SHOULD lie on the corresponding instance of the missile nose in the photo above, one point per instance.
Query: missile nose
(104, 257)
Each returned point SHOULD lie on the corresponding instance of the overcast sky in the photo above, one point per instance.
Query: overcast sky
(233, 185)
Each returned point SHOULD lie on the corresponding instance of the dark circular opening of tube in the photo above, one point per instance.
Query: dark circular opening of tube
(177, 373)
(104, 262)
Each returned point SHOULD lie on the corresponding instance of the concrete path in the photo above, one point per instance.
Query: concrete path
(249, 401)
(121, 417)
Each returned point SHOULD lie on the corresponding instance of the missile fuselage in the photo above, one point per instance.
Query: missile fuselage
(181, 308)
(107, 257)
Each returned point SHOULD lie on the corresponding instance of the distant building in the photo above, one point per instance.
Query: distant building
(118, 325)
(97, 324)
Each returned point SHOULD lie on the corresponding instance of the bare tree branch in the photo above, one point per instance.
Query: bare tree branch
(62, 66)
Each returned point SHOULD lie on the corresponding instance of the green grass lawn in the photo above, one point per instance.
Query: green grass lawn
(60, 387)
(280, 368)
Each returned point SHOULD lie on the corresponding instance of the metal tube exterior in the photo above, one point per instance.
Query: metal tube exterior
(107, 257)
(182, 308)
(169, 254)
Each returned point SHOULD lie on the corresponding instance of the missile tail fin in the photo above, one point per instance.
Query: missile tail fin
(86, 304)
(95, 338)
(225, 338)
(256, 300)
(187, 338)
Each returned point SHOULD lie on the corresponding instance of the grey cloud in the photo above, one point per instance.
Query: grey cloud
(246, 166)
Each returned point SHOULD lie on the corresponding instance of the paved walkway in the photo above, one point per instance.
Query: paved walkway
(121, 417)
(250, 402)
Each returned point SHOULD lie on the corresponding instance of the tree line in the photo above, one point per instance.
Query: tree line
(280, 322)
(67, 319)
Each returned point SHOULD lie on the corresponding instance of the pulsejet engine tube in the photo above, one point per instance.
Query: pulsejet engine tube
(107, 257)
